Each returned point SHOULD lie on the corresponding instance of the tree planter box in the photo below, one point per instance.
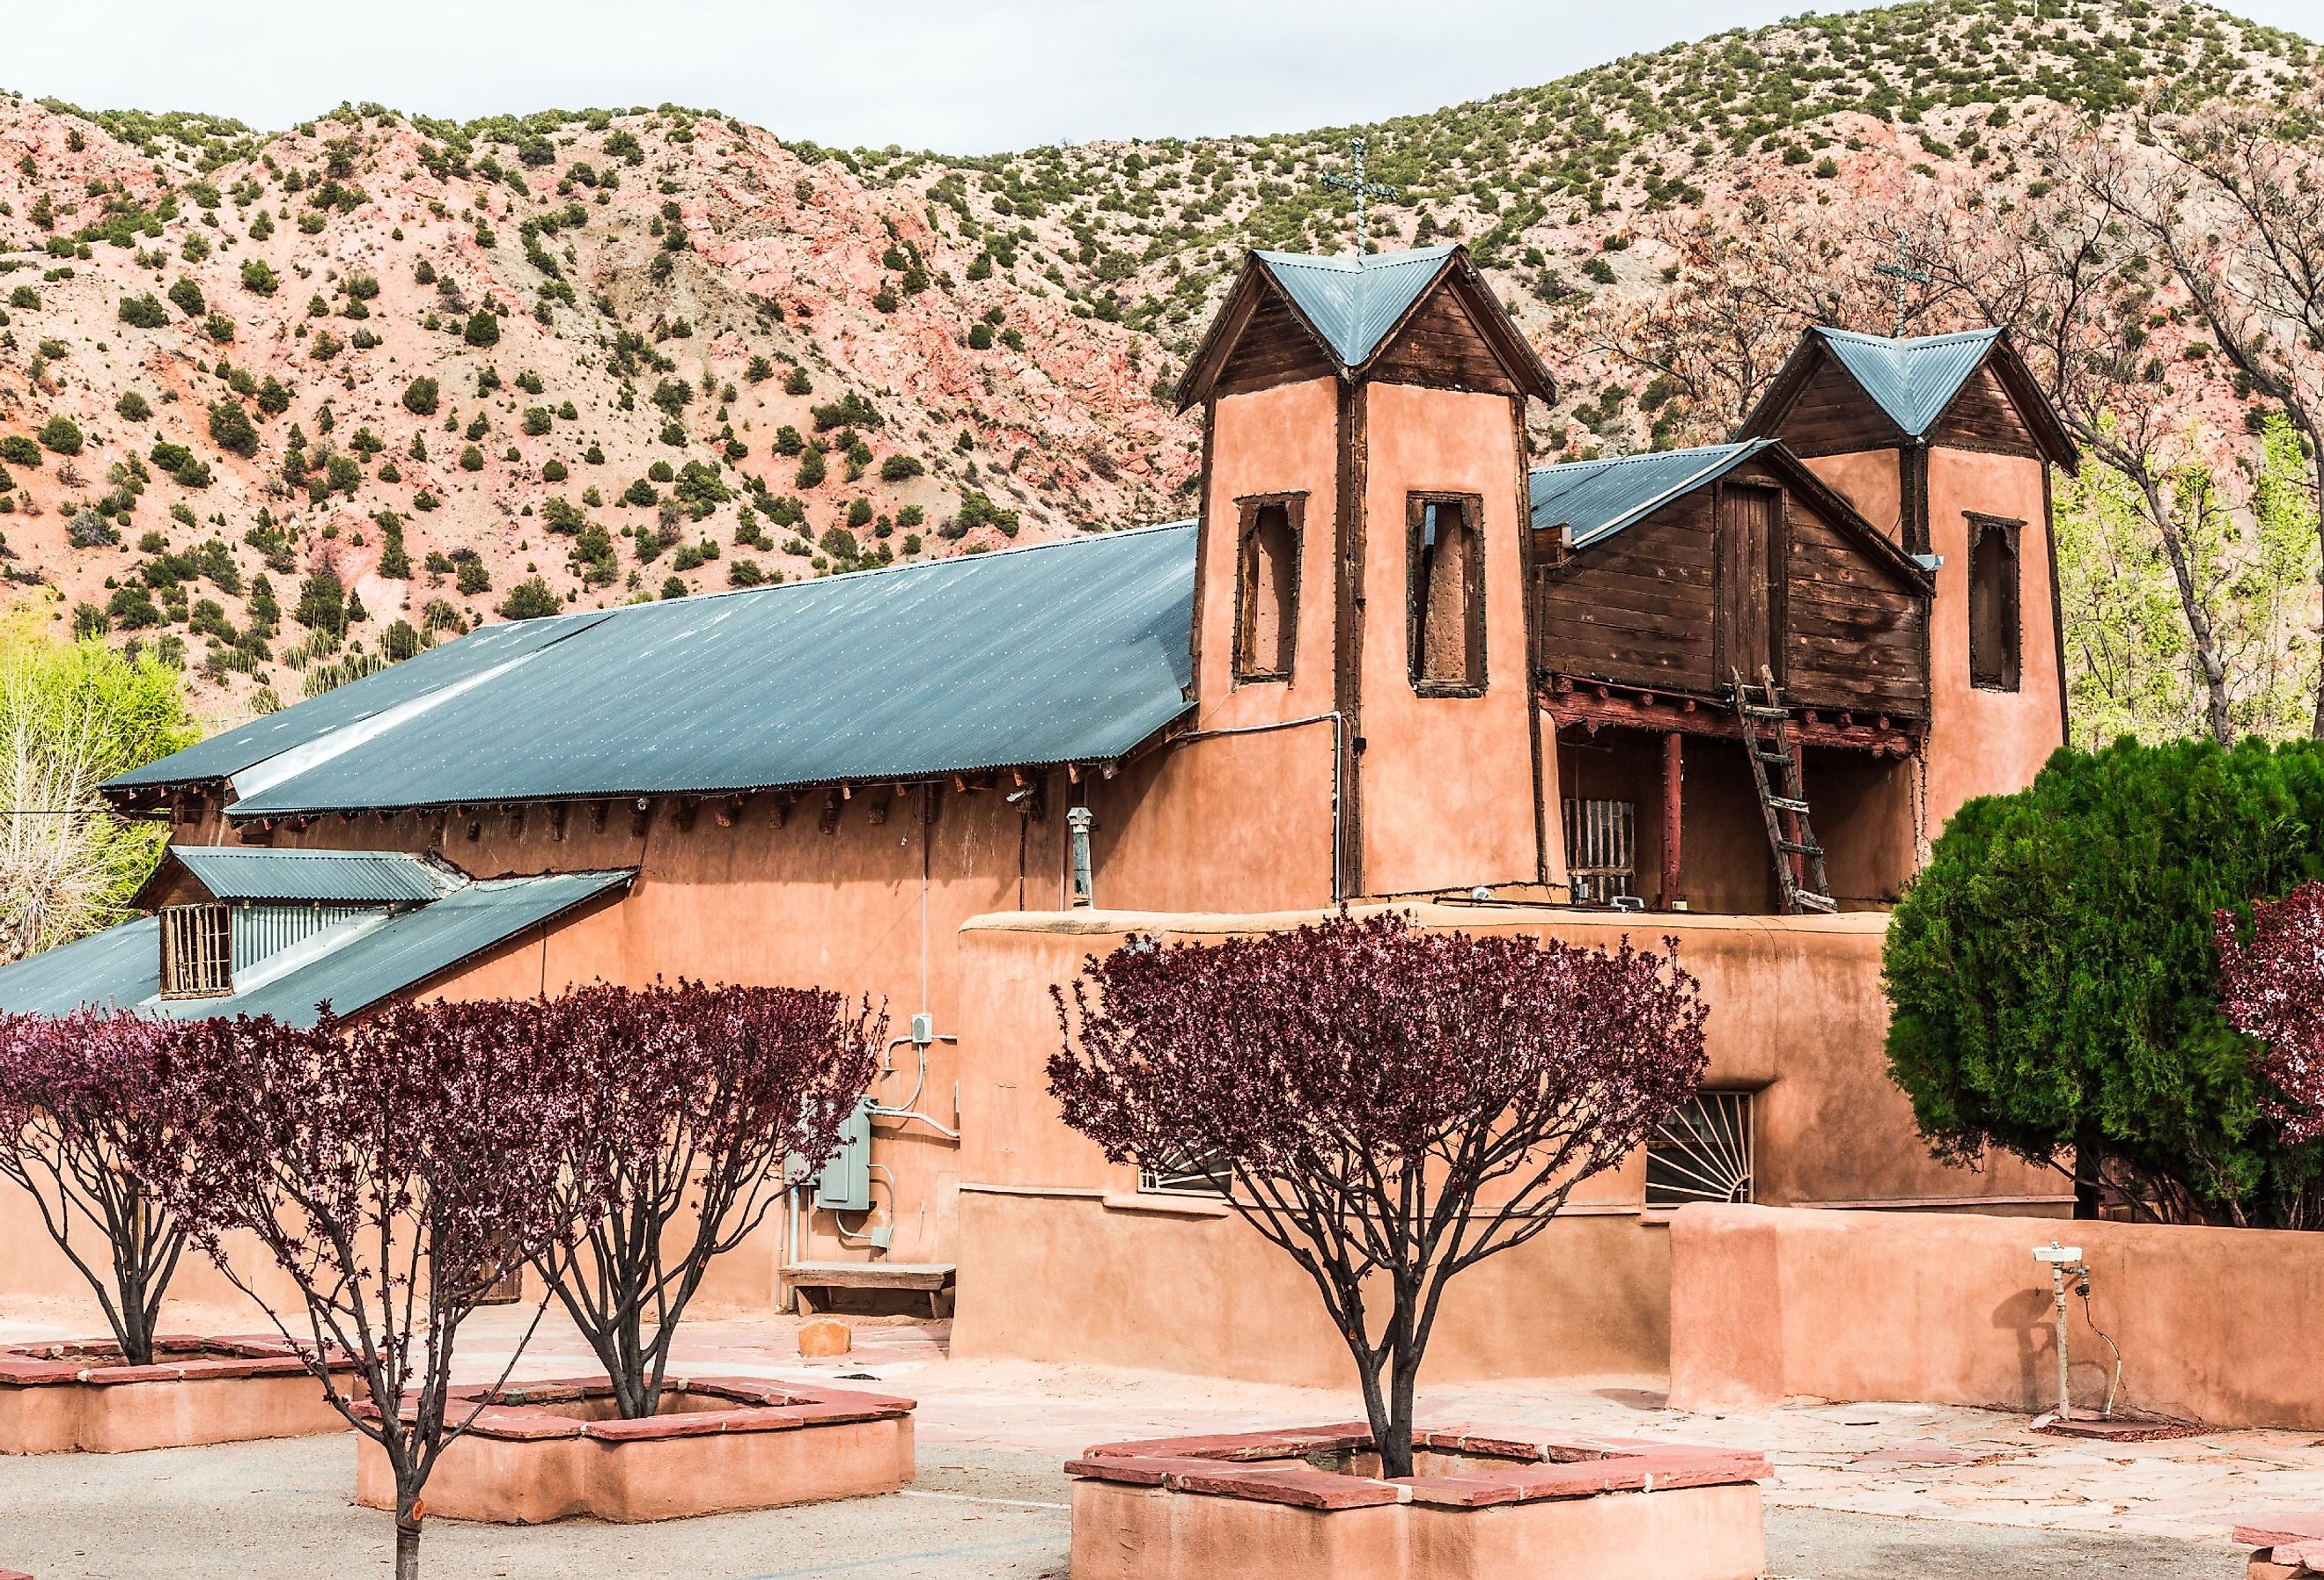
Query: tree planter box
(547, 1451)
(60, 1398)
(1483, 1504)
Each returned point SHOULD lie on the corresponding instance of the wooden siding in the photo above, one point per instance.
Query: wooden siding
(1831, 414)
(1441, 345)
(1274, 348)
(1643, 608)
(1983, 417)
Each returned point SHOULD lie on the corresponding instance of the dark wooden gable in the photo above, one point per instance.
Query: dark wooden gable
(1442, 343)
(1820, 410)
(1983, 417)
(1272, 347)
(1763, 564)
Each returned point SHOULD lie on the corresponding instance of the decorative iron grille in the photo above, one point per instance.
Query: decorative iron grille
(1701, 1153)
(196, 951)
(1187, 1174)
(1601, 845)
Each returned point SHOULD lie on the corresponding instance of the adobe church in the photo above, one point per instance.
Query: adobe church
(1740, 687)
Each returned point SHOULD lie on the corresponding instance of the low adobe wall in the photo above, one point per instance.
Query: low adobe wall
(1770, 1303)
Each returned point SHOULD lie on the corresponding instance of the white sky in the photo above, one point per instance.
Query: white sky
(958, 76)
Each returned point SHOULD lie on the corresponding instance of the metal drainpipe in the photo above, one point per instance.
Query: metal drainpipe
(1078, 820)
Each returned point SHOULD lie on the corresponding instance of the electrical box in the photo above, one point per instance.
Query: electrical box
(924, 1029)
(845, 1185)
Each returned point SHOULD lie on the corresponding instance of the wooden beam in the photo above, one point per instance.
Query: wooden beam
(556, 816)
(682, 816)
(1592, 705)
(829, 822)
(1674, 889)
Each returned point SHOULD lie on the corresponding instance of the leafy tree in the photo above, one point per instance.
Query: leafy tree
(530, 599)
(19, 451)
(483, 328)
(729, 1097)
(419, 397)
(2272, 988)
(322, 603)
(2052, 977)
(62, 434)
(258, 276)
(73, 715)
(1391, 1106)
(797, 383)
(134, 407)
(394, 1171)
(144, 311)
(811, 469)
(72, 1089)
(230, 429)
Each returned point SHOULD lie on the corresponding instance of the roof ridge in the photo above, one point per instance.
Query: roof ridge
(1691, 449)
(1905, 342)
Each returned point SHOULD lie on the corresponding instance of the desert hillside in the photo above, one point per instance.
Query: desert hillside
(293, 404)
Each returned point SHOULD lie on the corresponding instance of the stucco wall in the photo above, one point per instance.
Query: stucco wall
(1061, 1258)
(1871, 481)
(1769, 1303)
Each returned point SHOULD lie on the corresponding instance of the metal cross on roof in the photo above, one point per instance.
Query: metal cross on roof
(1907, 277)
(1358, 186)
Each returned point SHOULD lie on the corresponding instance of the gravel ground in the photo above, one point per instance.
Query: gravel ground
(280, 1511)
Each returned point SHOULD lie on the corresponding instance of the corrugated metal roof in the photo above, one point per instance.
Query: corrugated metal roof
(351, 966)
(120, 966)
(254, 872)
(1354, 301)
(1069, 652)
(1912, 380)
(1596, 499)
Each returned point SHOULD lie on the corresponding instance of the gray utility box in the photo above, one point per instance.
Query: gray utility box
(845, 1185)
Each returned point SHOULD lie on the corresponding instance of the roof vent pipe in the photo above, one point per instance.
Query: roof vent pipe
(1078, 820)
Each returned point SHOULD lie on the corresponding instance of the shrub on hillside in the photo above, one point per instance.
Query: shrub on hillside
(144, 311)
(62, 434)
(420, 397)
(530, 599)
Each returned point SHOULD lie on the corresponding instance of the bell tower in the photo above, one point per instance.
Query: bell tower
(1364, 555)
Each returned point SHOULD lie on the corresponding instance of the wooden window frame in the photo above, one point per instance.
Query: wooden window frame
(205, 932)
(1247, 511)
(1473, 509)
(1777, 569)
(2013, 622)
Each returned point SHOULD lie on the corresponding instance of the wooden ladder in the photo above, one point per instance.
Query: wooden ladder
(1767, 740)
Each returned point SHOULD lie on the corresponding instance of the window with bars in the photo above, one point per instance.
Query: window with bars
(1187, 1174)
(1601, 845)
(1703, 1152)
(196, 951)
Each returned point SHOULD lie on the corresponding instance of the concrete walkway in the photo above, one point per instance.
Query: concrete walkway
(1860, 1490)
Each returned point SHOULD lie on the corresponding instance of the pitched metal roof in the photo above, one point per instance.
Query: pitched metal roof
(1354, 300)
(1593, 500)
(1912, 380)
(1059, 652)
(352, 876)
(351, 966)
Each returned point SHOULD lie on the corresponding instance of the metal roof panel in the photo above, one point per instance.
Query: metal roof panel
(121, 965)
(254, 873)
(1913, 380)
(1596, 499)
(1068, 652)
(1355, 299)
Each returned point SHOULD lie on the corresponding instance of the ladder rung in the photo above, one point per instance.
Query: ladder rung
(1809, 897)
(1757, 712)
(1796, 848)
(1786, 804)
(1773, 756)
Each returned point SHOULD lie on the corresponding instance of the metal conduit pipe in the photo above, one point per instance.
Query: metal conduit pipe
(1339, 723)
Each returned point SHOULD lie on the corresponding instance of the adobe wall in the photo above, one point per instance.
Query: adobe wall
(1983, 742)
(1447, 782)
(1871, 480)
(1768, 1304)
(1061, 1259)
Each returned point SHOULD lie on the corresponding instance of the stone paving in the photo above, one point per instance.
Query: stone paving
(1902, 1462)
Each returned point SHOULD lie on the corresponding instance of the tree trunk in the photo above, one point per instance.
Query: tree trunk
(1396, 1446)
(2089, 1159)
(407, 1536)
(2206, 641)
(2316, 457)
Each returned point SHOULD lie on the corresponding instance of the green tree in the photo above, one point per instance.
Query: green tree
(62, 434)
(530, 599)
(232, 429)
(419, 397)
(72, 714)
(2053, 977)
(483, 329)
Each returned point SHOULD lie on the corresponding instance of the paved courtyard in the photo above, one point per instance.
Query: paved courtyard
(1861, 1490)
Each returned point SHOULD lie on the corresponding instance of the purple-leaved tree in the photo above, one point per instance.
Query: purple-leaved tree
(719, 1099)
(1393, 1105)
(2272, 989)
(73, 1107)
(396, 1167)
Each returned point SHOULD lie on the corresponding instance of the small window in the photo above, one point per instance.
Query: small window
(1602, 842)
(1993, 602)
(196, 951)
(1187, 1174)
(1448, 597)
(1701, 1153)
(1266, 593)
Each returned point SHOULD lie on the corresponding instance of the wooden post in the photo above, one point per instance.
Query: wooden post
(1674, 894)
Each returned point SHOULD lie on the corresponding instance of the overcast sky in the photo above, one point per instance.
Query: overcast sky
(958, 76)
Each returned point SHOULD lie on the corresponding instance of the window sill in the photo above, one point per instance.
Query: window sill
(1165, 1205)
(1445, 688)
